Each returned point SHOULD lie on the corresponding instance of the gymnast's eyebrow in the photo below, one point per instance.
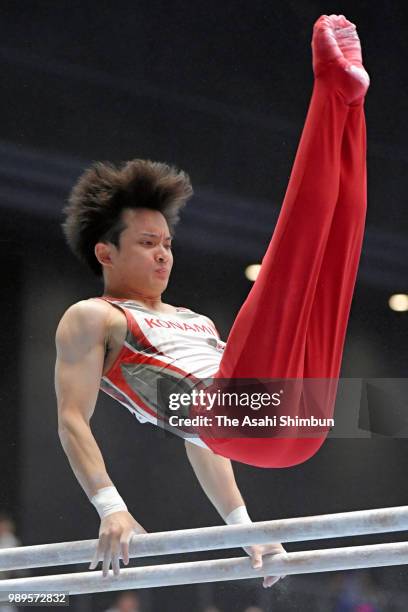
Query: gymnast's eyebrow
(155, 235)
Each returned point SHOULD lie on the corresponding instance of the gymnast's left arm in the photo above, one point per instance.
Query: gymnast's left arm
(216, 477)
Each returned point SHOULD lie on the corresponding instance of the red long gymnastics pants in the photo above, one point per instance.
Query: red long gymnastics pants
(293, 322)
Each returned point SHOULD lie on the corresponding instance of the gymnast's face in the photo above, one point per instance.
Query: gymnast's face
(143, 261)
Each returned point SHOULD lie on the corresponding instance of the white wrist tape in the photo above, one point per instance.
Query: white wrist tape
(238, 516)
(107, 501)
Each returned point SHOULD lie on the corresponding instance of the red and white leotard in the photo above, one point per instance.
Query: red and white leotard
(175, 347)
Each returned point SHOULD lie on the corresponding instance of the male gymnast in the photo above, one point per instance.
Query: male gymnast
(120, 221)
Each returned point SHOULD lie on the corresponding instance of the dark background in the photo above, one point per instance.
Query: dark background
(221, 90)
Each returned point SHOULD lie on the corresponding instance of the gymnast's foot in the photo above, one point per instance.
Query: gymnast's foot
(337, 53)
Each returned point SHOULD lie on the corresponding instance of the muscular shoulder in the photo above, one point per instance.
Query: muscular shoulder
(83, 325)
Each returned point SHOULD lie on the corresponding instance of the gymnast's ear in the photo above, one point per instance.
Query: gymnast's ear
(103, 253)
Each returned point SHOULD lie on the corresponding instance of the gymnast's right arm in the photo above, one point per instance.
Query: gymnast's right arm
(80, 342)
